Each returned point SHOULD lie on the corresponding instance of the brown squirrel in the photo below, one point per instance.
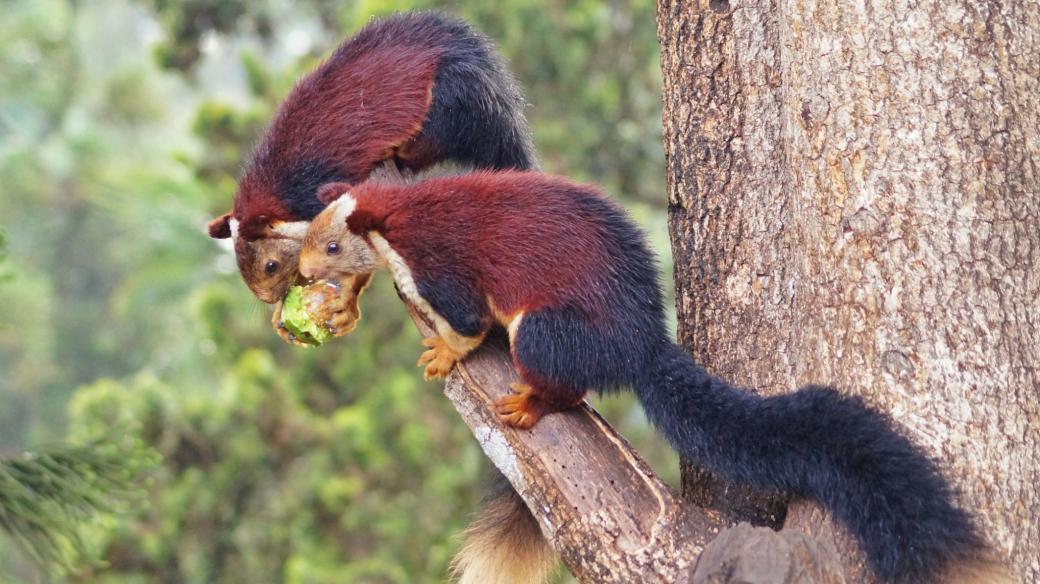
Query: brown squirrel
(569, 276)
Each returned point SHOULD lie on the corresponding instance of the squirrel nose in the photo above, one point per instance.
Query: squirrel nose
(306, 270)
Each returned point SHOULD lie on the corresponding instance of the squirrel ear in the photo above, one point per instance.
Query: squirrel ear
(220, 228)
(329, 192)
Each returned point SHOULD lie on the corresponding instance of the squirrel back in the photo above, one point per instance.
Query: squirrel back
(422, 87)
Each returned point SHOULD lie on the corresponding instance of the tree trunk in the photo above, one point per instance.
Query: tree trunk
(855, 199)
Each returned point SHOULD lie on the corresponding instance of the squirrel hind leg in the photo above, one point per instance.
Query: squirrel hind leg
(503, 544)
(529, 404)
(559, 354)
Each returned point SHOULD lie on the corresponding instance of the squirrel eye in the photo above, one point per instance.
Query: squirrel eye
(332, 248)
(271, 267)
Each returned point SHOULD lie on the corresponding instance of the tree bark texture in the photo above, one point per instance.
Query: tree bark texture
(758, 555)
(854, 199)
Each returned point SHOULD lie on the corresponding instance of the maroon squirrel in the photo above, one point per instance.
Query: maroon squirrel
(416, 89)
(570, 278)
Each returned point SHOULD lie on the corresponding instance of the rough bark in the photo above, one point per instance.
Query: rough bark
(743, 554)
(855, 199)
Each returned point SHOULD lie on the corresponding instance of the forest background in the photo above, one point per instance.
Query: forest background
(123, 126)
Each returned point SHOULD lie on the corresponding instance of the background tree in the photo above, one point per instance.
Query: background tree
(854, 198)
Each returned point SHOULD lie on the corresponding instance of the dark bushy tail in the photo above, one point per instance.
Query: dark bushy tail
(819, 444)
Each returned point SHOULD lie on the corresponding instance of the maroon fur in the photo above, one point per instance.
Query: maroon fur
(349, 114)
(518, 242)
(594, 318)
(220, 228)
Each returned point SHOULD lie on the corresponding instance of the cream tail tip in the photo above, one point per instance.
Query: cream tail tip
(503, 545)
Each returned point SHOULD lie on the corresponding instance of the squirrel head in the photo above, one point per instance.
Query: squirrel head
(265, 234)
(266, 250)
(331, 251)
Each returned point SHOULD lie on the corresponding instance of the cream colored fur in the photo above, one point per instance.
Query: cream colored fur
(294, 230)
(402, 275)
(503, 545)
(342, 208)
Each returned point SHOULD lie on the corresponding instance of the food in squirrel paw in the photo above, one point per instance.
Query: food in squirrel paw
(307, 309)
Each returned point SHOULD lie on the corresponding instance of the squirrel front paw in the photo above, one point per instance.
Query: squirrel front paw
(439, 359)
(343, 312)
(279, 327)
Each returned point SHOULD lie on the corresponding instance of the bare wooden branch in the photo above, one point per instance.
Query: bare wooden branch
(601, 507)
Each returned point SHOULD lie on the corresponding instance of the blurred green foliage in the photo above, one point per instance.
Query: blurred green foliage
(47, 498)
(123, 125)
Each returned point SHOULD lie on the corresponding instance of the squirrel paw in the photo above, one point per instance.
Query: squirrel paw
(521, 410)
(279, 327)
(344, 313)
(439, 359)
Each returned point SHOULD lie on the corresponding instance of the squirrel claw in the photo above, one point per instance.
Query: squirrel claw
(290, 338)
(342, 322)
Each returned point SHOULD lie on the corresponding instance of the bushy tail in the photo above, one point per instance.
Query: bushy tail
(503, 544)
(819, 444)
